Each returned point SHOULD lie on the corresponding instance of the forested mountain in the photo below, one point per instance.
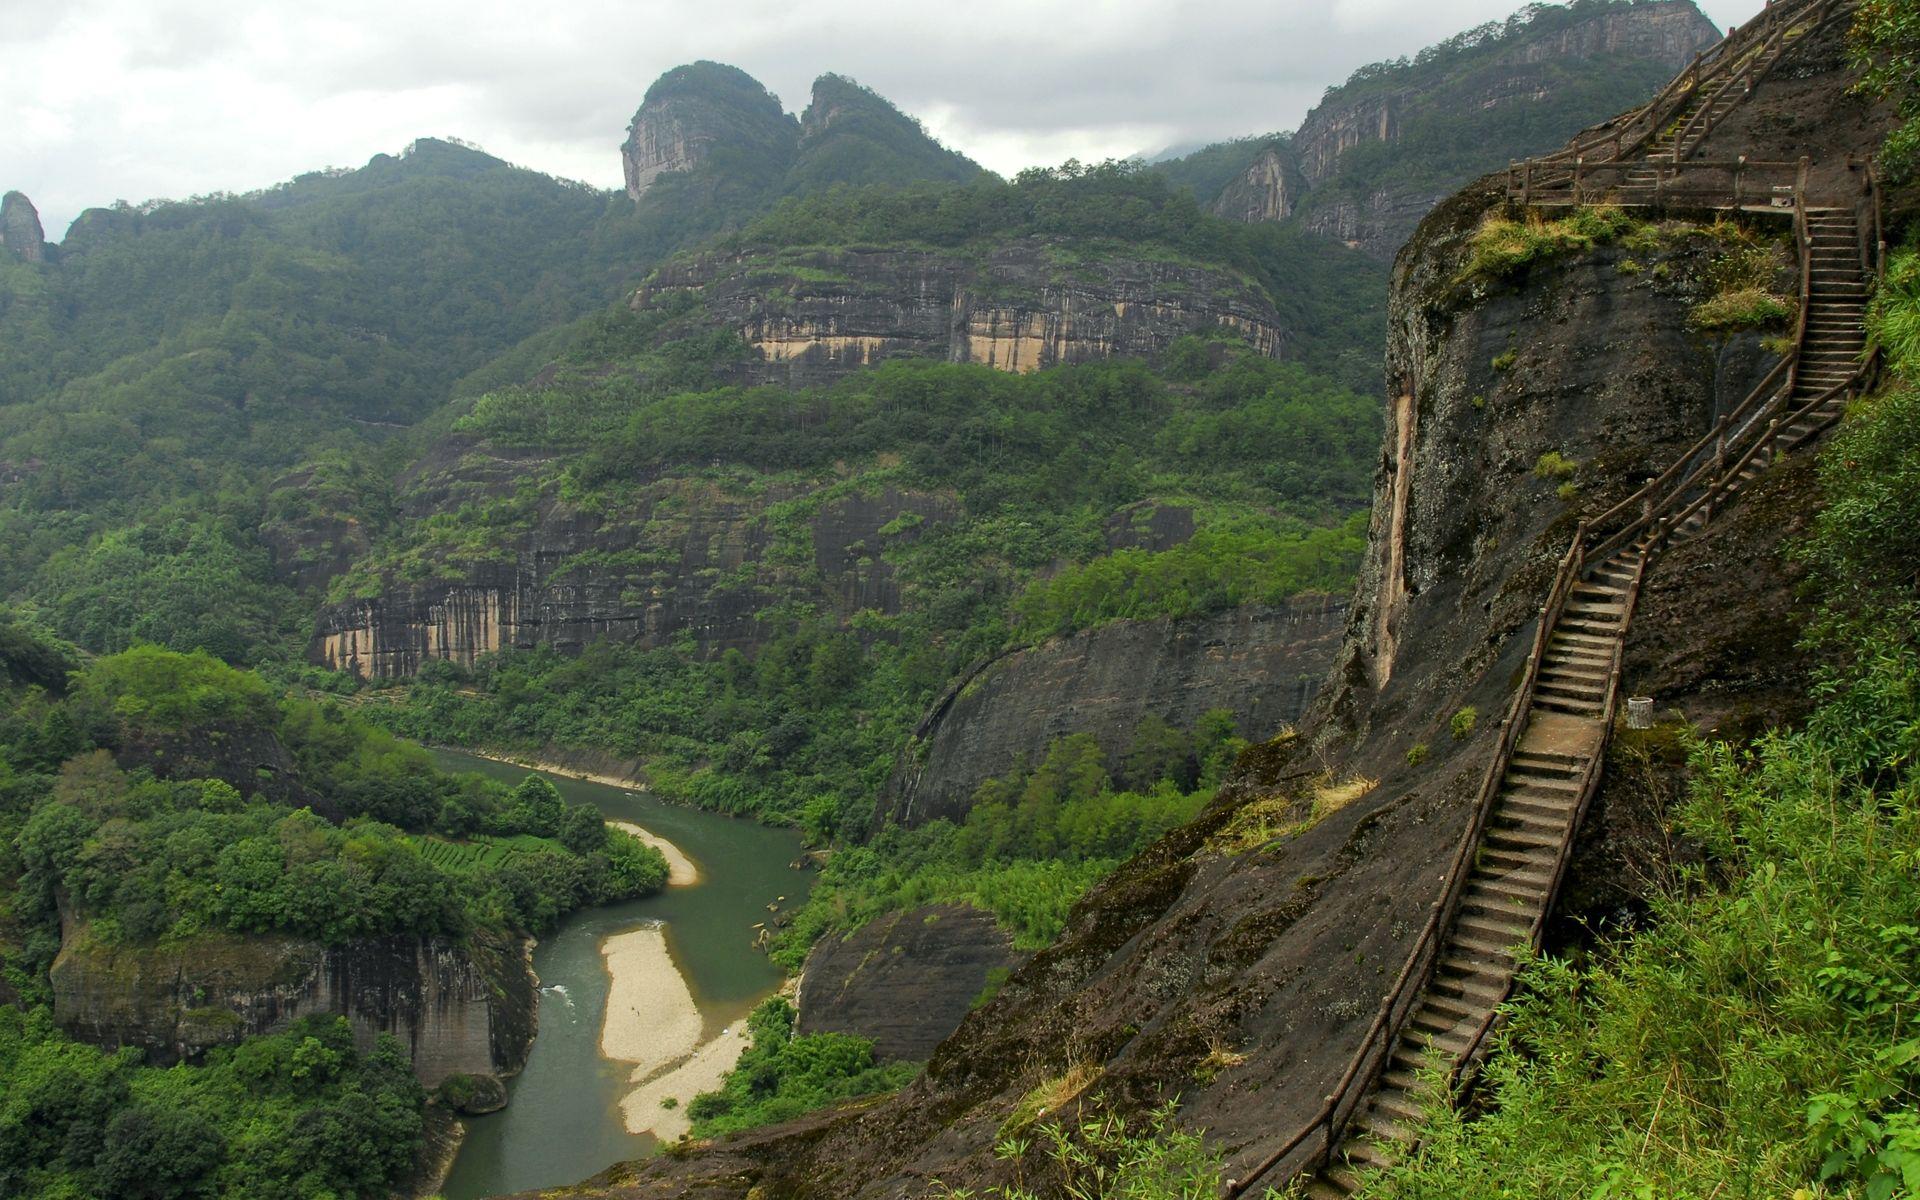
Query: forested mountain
(1387, 145)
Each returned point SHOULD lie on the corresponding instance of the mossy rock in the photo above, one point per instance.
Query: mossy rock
(472, 1095)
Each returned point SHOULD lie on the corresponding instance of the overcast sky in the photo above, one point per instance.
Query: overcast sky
(104, 100)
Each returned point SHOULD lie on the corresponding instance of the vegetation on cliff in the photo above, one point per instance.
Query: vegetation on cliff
(137, 802)
(1039, 470)
(300, 1115)
(783, 1074)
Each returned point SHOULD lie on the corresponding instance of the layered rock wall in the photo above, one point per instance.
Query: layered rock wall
(1263, 665)
(456, 1008)
(683, 560)
(811, 315)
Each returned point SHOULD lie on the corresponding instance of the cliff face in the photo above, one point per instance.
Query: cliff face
(690, 111)
(811, 315)
(1376, 155)
(458, 1009)
(1268, 190)
(1262, 664)
(904, 981)
(20, 229)
(682, 557)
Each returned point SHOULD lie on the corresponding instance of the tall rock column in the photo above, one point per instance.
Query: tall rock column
(20, 228)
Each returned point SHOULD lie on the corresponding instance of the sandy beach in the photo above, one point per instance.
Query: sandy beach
(652, 1023)
(680, 869)
(536, 764)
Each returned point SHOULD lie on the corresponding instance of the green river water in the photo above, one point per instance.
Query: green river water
(562, 1122)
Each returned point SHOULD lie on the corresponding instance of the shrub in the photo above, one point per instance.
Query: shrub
(1416, 754)
(1463, 722)
(1504, 361)
(1553, 465)
(1742, 308)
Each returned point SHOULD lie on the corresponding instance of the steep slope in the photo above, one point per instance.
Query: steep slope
(1237, 962)
(1382, 149)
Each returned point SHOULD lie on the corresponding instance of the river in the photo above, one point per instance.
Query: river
(563, 1120)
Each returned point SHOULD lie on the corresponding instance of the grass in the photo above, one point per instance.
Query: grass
(1501, 247)
(1554, 465)
(1049, 1098)
(1269, 818)
(1742, 308)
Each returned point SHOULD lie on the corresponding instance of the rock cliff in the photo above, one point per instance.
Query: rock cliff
(1376, 154)
(1261, 664)
(20, 230)
(692, 110)
(809, 315)
(459, 1009)
(905, 980)
(685, 556)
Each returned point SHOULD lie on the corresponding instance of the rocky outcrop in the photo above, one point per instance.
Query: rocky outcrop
(905, 980)
(1458, 109)
(811, 315)
(691, 110)
(1268, 190)
(1261, 664)
(457, 1008)
(685, 557)
(20, 230)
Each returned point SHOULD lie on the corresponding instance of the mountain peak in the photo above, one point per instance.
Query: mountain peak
(691, 109)
(20, 228)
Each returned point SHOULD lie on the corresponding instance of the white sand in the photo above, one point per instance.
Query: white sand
(680, 869)
(700, 1072)
(652, 1023)
(627, 782)
(651, 1020)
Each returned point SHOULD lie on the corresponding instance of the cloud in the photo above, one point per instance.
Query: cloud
(113, 99)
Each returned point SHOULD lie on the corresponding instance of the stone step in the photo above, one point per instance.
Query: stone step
(1470, 943)
(1572, 708)
(1549, 781)
(1549, 760)
(1521, 838)
(1542, 808)
(1509, 858)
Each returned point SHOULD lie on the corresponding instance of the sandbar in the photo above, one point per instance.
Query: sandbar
(680, 869)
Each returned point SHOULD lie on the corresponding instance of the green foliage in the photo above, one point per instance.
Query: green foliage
(1108, 1157)
(1885, 46)
(1417, 754)
(141, 859)
(1553, 465)
(300, 1115)
(1501, 246)
(1463, 722)
(1031, 843)
(782, 1075)
(1221, 568)
(165, 692)
(1743, 308)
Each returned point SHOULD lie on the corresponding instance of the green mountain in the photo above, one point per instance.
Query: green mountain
(1397, 137)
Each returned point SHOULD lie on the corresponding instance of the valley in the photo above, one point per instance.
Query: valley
(1374, 660)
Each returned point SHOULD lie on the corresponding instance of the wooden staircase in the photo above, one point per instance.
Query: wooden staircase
(1507, 869)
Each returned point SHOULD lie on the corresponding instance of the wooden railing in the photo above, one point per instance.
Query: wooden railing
(1750, 68)
(1712, 183)
(1632, 131)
